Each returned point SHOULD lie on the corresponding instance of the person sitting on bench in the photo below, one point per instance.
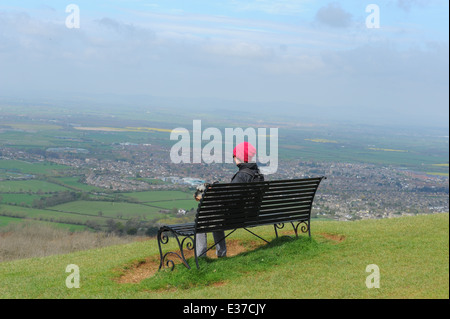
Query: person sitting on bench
(243, 155)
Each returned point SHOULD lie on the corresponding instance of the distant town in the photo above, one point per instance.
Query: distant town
(351, 191)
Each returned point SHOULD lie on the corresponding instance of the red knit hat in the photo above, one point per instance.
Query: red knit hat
(244, 151)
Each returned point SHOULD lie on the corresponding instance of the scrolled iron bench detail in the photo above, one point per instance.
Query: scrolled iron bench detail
(232, 206)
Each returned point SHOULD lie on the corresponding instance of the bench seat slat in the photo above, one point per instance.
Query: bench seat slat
(183, 229)
(253, 216)
(230, 226)
(249, 206)
(266, 198)
(212, 193)
(272, 183)
(224, 200)
(253, 221)
(238, 187)
(277, 207)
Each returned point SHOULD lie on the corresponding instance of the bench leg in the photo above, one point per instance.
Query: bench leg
(281, 226)
(304, 228)
(165, 259)
(195, 251)
(309, 228)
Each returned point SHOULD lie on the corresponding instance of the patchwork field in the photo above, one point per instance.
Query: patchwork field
(30, 186)
(109, 209)
(37, 191)
(152, 196)
(22, 167)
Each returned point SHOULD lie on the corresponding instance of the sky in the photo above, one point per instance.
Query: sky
(300, 57)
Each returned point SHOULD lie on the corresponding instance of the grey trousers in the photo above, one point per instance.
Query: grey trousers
(202, 245)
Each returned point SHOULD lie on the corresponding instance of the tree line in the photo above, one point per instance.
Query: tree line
(58, 199)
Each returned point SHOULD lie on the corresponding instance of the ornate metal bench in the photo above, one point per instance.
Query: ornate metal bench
(229, 207)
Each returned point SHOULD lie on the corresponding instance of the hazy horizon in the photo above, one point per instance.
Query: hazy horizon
(316, 59)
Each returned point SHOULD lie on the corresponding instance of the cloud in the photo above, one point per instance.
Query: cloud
(244, 50)
(334, 16)
(406, 5)
(281, 7)
(229, 58)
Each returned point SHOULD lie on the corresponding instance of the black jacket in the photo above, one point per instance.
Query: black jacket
(241, 176)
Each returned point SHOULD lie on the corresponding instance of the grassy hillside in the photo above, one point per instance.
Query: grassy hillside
(412, 254)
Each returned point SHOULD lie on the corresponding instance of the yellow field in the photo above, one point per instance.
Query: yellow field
(320, 140)
(437, 174)
(34, 127)
(386, 150)
(441, 165)
(123, 129)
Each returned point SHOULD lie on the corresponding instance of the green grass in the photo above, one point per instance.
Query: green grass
(184, 204)
(81, 211)
(48, 215)
(30, 186)
(74, 183)
(165, 199)
(44, 168)
(18, 199)
(411, 252)
(156, 196)
(4, 221)
(109, 209)
(277, 253)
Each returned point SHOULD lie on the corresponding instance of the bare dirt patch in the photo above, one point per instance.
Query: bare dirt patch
(147, 268)
(140, 270)
(336, 238)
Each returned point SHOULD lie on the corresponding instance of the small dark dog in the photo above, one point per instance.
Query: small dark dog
(201, 190)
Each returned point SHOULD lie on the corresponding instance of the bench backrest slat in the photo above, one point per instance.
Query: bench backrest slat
(230, 206)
